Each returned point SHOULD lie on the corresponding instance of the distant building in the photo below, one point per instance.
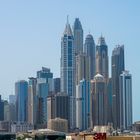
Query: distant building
(21, 127)
(1, 109)
(5, 126)
(136, 126)
(44, 86)
(57, 84)
(6, 111)
(32, 100)
(21, 92)
(126, 101)
(89, 50)
(50, 107)
(12, 99)
(58, 124)
(102, 58)
(83, 105)
(68, 69)
(98, 101)
(78, 36)
(118, 65)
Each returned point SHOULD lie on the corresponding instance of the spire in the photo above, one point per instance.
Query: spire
(68, 30)
(101, 40)
(67, 19)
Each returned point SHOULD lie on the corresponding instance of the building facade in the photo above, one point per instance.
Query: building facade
(117, 65)
(44, 86)
(125, 101)
(78, 36)
(98, 100)
(1, 109)
(68, 70)
(102, 58)
(83, 105)
(32, 100)
(21, 92)
(89, 50)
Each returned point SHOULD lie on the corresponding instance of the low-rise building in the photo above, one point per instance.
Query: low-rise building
(58, 124)
(21, 127)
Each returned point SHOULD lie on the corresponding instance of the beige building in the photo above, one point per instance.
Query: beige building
(58, 124)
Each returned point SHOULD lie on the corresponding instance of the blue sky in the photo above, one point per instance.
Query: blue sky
(31, 30)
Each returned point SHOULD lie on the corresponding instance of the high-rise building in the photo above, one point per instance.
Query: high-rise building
(83, 105)
(82, 91)
(89, 50)
(78, 36)
(44, 86)
(56, 83)
(118, 66)
(1, 109)
(32, 100)
(98, 100)
(68, 69)
(50, 107)
(21, 92)
(102, 58)
(58, 106)
(6, 111)
(82, 67)
(12, 99)
(125, 101)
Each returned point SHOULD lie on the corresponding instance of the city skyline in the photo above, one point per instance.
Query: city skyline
(21, 47)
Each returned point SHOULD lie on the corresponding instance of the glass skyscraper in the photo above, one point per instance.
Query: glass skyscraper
(125, 101)
(118, 65)
(68, 69)
(21, 92)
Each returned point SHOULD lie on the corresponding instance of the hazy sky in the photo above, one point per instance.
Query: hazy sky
(31, 30)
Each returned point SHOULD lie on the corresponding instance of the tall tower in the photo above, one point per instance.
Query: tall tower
(21, 92)
(117, 67)
(68, 69)
(44, 86)
(125, 101)
(89, 50)
(98, 100)
(78, 36)
(102, 58)
(32, 100)
(82, 91)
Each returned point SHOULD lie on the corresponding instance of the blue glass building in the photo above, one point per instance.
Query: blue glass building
(21, 92)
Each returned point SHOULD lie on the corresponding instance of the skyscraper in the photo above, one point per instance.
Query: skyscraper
(89, 50)
(68, 69)
(82, 67)
(98, 100)
(125, 101)
(56, 84)
(32, 100)
(83, 105)
(44, 86)
(21, 92)
(82, 91)
(78, 36)
(102, 58)
(117, 64)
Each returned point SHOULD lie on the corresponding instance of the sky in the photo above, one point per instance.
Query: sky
(31, 31)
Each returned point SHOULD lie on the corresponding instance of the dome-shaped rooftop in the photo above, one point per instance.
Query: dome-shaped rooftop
(89, 36)
(99, 77)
